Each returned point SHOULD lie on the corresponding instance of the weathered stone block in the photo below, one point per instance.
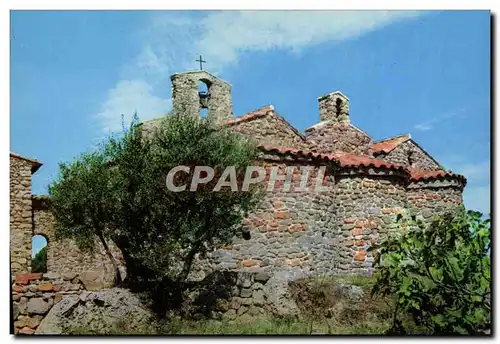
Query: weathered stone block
(46, 286)
(360, 255)
(242, 310)
(26, 278)
(92, 280)
(258, 297)
(68, 276)
(249, 263)
(247, 301)
(235, 303)
(246, 292)
(38, 306)
(26, 331)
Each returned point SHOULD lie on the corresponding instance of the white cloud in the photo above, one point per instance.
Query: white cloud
(429, 125)
(128, 97)
(173, 40)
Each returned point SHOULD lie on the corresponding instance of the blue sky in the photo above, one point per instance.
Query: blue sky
(73, 73)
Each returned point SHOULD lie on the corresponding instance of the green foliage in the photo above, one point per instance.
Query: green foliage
(440, 274)
(160, 228)
(82, 202)
(39, 261)
(119, 193)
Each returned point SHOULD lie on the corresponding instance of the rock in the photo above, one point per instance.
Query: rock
(46, 286)
(246, 292)
(68, 276)
(37, 306)
(262, 277)
(26, 331)
(230, 314)
(244, 279)
(51, 275)
(23, 305)
(255, 311)
(222, 305)
(277, 293)
(33, 288)
(92, 280)
(235, 291)
(235, 303)
(15, 309)
(242, 310)
(257, 285)
(258, 297)
(31, 322)
(246, 301)
(102, 311)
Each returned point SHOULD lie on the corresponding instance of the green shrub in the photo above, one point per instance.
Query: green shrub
(39, 261)
(440, 274)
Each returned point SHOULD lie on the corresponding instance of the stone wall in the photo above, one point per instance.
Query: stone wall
(230, 295)
(409, 154)
(334, 107)
(64, 256)
(329, 137)
(434, 197)
(366, 206)
(288, 229)
(186, 98)
(20, 214)
(271, 129)
(34, 294)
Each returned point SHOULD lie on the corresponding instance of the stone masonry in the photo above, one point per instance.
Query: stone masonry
(292, 232)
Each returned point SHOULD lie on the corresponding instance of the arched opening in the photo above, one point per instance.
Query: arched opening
(39, 253)
(204, 97)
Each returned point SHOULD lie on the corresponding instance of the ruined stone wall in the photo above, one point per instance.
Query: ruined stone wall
(20, 215)
(34, 294)
(329, 137)
(409, 154)
(64, 256)
(366, 207)
(271, 130)
(227, 295)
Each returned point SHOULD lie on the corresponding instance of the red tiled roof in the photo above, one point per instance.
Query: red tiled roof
(35, 164)
(344, 159)
(387, 145)
(429, 175)
(353, 160)
(254, 114)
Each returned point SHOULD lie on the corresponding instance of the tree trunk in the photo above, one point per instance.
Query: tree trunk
(118, 277)
(186, 269)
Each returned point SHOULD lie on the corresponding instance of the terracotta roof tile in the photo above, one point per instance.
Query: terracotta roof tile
(387, 145)
(353, 160)
(430, 175)
(35, 164)
(344, 159)
(254, 114)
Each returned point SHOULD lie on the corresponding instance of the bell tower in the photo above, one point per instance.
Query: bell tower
(189, 100)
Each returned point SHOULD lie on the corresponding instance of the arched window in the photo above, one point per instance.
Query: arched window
(39, 253)
(204, 96)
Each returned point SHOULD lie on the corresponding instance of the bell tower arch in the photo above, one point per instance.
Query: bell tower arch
(188, 97)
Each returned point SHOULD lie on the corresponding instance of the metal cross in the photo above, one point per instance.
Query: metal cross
(201, 62)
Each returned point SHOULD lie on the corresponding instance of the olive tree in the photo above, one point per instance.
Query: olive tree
(120, 192)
